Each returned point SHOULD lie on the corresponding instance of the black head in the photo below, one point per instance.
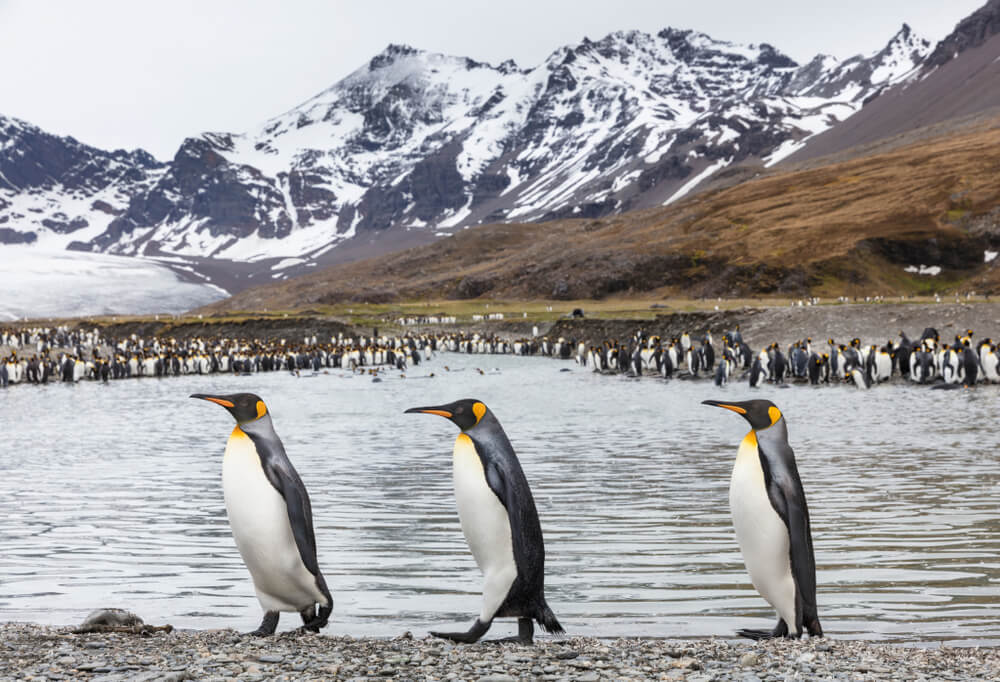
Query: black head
(464, 413)
(761, 414)
(245, 407)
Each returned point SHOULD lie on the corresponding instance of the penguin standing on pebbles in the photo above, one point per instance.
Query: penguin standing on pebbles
(499, 521)
(271, 517)
(772, 521)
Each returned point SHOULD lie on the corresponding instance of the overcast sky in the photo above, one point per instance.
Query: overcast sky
(148, 73)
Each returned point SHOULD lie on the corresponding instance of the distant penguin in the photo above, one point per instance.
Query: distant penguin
(271, 517)
(771, 519)
(949, 365)
(722, 373)
(499, 521)
(667, 363)
(736, 336)
(970, 364)
(780, 365)
(756, 373)
(819, 369)
(860, 378)
(707, 353)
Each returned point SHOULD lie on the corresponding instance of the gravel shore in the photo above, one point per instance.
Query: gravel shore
(37, 652)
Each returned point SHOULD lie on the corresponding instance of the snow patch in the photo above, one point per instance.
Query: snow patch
(932, 270)
(39, 283)
(693, 182)
(287, 263)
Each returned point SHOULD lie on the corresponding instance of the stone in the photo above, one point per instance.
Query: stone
(686, 663)
(111, 617)
(174, 676)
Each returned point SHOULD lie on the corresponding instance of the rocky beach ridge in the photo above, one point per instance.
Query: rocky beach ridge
(29, 651)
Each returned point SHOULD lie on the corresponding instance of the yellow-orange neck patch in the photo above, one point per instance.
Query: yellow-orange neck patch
(479, 410)
(774, 413)
(261, 409)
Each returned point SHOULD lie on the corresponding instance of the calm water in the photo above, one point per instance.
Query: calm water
(111, 496)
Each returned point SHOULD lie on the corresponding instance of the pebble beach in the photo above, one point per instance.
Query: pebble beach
(34, 652)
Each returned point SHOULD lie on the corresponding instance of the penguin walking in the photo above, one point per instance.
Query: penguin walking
(772, 521)
(271, 517)
(499, 521)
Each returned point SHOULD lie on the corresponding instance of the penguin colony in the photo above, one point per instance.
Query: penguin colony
(926, 359)
(42, 355)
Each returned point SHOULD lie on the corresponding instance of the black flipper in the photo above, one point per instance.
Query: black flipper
(287, 482)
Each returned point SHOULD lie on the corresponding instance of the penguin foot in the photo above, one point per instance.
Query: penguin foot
(756, 634)
(313, 619)
(511, 640)
(477, 630)
(267, 626)
(780, 630)
(460, 637)
(525, 634)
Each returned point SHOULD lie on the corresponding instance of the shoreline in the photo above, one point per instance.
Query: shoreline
(28, 650)
(761, 323)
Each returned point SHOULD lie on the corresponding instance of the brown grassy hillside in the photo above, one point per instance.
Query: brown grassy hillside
(847, 228)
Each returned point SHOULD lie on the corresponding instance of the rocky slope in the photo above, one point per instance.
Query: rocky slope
(415, 144)
(922, 218)
(58, 192)
(957, 83)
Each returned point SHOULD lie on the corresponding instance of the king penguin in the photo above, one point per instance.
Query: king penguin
(271, 518)
(772, 521)
(499, 521)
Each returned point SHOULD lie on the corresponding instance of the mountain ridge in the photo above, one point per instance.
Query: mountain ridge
(918, 219)
(414, 145)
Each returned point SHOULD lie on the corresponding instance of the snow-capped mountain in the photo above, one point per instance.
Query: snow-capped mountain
(420, 142)
(55, 190)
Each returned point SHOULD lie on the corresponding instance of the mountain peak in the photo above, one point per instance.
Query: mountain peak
(391, 54)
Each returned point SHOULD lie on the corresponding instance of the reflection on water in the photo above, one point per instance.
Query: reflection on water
(111, 496)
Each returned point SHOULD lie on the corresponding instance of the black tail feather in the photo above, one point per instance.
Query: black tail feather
(548, 620)
(322, 612)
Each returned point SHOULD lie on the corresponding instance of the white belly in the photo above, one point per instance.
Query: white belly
(762, 535)
(486, 526)
(259, 521)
